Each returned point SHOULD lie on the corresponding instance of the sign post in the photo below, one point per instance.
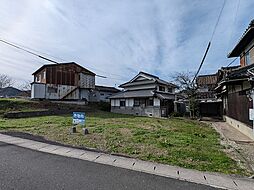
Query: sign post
(78, 118)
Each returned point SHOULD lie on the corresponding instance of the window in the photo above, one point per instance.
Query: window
(162, 88)
(149, 102)
(247, 58)
(44, 75)
(122, 103)
(39, 78)
(136, 102)
(101, 94)
(170, 90)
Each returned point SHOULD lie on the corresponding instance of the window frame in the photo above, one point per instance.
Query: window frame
(247, 58)
(124, 103)
(162, 88)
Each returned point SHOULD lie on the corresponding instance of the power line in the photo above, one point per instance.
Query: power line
(35, 54)
(234, 21)
(47, 59)
(18, 46)
(202, 62)
(29, 48)
(232, 62)
(217, 22)
(209, 43)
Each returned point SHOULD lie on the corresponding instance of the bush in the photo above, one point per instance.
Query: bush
(176, 114)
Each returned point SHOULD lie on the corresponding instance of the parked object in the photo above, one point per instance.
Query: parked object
(145, 95)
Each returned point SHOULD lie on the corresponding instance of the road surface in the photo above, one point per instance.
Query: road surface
(22, 168)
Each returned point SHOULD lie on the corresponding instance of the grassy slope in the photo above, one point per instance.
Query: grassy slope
(7, 105)
(174, 141)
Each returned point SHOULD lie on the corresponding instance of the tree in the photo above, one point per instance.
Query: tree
(5, 81)
(188, 88)
(25, 86)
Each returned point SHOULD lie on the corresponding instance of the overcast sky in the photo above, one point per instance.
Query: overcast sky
(118, 39)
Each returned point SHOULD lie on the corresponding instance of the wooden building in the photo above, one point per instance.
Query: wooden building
(62, 81)
(235, 85)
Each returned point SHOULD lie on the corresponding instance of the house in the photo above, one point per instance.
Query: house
(206, 85)
(235, 85)
(68, 81)
(63, 81)
(145, 95)
(209, 105)
(102, 93)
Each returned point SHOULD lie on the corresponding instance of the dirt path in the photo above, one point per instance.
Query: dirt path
(238, 146)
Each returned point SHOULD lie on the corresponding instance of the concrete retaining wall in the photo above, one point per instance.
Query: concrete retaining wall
(147, 111)
(243, 128)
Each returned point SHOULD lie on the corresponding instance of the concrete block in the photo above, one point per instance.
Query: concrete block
(90, 156)
(4, 137)
(247, 184)
(144, 166)
(220, 181)
(75, 153)
(106, 159)
(168, 171)
(27, 144)
(61, 151)
(192, 175)
(17, 141)
(124, 162)
(12, 140)
(38, 146)
(49, 148)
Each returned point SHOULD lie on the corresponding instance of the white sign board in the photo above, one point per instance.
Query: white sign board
(251, 114)
(78, 118)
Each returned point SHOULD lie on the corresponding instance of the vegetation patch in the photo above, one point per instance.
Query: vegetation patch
(175, 141)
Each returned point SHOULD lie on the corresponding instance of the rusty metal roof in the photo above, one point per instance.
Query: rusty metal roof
(60, 64)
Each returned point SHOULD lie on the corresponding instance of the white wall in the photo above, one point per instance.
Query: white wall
(38, 91)
(156, 102)
(129, 102)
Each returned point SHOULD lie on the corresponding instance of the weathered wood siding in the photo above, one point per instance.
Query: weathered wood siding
(238, 108)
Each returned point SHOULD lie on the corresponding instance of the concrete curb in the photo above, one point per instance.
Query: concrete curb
(205, 178)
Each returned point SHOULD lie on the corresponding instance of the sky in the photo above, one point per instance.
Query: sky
(117, 39)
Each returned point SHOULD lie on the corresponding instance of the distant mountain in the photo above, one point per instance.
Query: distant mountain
(9, 92)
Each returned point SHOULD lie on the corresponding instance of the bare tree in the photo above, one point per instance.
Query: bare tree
(5, 81)
(189, 88)
(25, 86)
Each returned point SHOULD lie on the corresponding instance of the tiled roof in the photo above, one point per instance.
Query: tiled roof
(133, 94)
(106, 88)
(60, 64)
(246, 38)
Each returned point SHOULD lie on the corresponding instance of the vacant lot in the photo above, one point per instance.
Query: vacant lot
(175, 141)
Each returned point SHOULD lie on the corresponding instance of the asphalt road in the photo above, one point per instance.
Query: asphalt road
(22, 168)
